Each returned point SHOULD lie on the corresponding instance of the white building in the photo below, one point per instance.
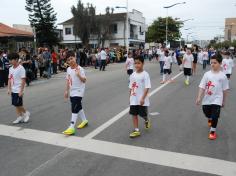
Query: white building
(136, 31)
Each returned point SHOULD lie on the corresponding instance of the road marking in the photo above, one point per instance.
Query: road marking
(154, 113)
(140, 154)
(122, 113)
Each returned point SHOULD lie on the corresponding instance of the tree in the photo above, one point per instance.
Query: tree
(43, 18)
(84, 21)
(157, 30)
(104, 26)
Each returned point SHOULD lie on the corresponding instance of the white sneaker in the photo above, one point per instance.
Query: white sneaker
(26, 117)
(18, 120)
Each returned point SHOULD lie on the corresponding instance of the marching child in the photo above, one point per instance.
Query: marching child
(139, 100)
(188, 65)
(16, 86)
(167, 68)
(75, 87)
(129, 64)
(227, 65)
(212, 92)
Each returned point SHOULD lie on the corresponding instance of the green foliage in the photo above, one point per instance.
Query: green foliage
(157, 30)
(221, 45)
(84, 21)
(43, 18)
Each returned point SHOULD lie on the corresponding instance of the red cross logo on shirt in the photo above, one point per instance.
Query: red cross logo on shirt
(225, 66)
(209, 86)
(134, 87)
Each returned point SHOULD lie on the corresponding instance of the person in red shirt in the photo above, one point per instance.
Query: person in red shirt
(54, 61)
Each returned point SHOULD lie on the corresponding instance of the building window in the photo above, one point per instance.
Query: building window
(141, 31)
(68, 31)
(114, 28)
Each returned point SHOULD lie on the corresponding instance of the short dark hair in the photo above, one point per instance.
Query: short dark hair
(227, 53)
(217, 57)
(13, 56)
(139, 58)
(70, 54)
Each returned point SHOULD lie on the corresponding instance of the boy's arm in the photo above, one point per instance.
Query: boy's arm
(9, 86)
(81, 76)
(144, 96)
(200, 95)
(225, 92)
(66, 94)
(22, 87)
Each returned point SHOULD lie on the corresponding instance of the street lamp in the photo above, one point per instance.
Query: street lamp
(127, 24)
(167, 7)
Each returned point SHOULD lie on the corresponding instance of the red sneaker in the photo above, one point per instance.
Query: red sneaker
(212, 136)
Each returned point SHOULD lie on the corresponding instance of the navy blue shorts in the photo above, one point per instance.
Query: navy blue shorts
(76, 104)
(16, 100)
(138, 110)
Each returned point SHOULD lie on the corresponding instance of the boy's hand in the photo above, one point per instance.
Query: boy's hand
(9, 92)
(20, 94)
(77, 71)
(66, 95)
(142, 101)
(198, 101)
(223, 104)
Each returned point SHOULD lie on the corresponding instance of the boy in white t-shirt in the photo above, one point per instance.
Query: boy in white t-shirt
(129, 64)
(227, 65)
(212, 92)
(167, 67)
(139, 100)
(188, 65)
(16, 86)
(75, 87)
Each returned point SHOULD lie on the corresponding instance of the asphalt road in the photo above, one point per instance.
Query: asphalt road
(177, 144)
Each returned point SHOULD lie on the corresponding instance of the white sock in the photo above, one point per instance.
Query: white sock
(164, 77)
(82, 115)
(136, 129)
(73, 120)
(213, 129)
(187, 78)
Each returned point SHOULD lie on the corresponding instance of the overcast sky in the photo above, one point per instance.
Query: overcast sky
(208, 15)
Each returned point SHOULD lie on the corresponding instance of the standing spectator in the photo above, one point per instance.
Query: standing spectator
(161, 55)
(103, 59)
(35, 67)
(41, 62)
(54, 61)
(48, 60)
(6, 68)
(98, 58)
(78, 57)
(1, 70)
(26, 62)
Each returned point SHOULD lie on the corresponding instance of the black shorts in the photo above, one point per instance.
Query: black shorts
(187, 71)
(228, 76)
(138, 110)
(16, 100)
(167, 71)
(195, 61)
(76, 104)
(211, 111)
(130, 72)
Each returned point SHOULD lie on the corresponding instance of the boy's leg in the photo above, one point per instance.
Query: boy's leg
(135, 122)
(134, 112)
(207, 112)
(143, 112)
(215, 109)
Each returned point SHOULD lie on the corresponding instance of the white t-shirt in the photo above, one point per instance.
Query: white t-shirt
(138, 83)
(227, 65)
(16, 75)
(103, 55)
(188, 61)
(77, 87)
(168, 60)
(130, 63)
(161, 55)
(205, 56)
(214, 84)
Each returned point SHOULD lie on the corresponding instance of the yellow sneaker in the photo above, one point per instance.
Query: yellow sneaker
(147, 124)
(69, 131)
(135, 134)
(83, 124)
(186, 83)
